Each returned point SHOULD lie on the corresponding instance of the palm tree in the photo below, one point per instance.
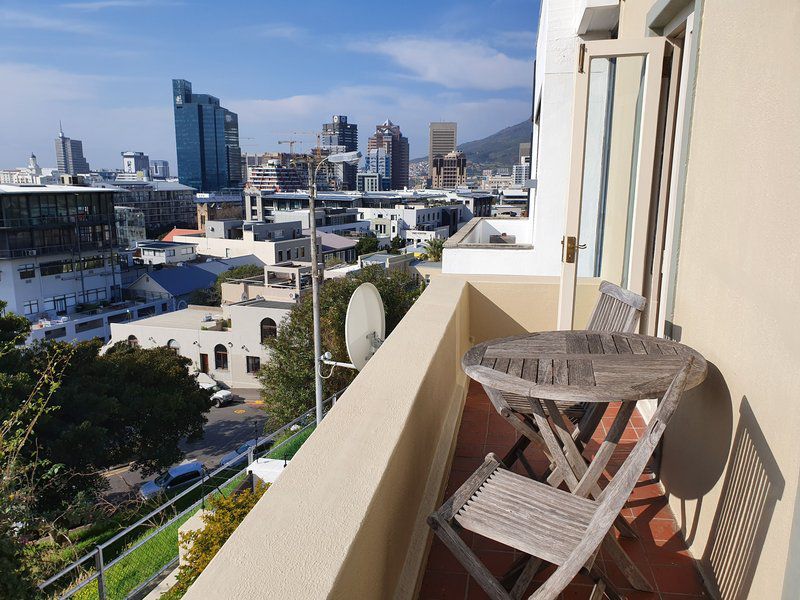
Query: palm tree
(435, 247)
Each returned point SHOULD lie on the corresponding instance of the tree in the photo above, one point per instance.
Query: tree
(287, 380)
(129, 405)
(435, 248)
(397, 244)
(366, 245)
(22, 402)
(213, 295)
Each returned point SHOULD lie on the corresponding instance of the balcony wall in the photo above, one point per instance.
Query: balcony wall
(347, 518)
(731, 457)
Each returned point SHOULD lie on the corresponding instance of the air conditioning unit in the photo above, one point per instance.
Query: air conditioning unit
(30, 253)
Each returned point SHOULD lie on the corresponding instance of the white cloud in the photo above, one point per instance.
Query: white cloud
(41, 97)
(452, 63)
(268, 120)
(17, 19)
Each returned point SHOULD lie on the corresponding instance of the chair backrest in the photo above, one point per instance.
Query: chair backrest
(615, 495)
(617, 309)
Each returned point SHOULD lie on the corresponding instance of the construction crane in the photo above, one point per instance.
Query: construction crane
(291, 144)
(316, 134)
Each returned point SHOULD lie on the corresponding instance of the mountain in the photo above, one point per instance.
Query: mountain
(500, 149)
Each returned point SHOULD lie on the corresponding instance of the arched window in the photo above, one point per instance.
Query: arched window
(268, 329)
(133, 341)
(220, 357)
(174, 346)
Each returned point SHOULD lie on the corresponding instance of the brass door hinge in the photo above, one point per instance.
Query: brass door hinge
(581, 57)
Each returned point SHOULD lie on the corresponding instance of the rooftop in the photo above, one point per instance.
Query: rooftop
(50, 189)
(162, 245)
(178, 281)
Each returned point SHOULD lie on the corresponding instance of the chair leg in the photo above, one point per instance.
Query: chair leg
(516, 451)
(526, 577)
(603, 586)
(468, 559)
(625, 529)
(625, 564)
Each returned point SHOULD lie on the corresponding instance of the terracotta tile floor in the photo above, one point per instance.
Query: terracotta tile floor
(660, 552)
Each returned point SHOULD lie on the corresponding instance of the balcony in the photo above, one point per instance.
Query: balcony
(350, 510)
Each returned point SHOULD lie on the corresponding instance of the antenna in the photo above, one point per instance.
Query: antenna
(364, 328)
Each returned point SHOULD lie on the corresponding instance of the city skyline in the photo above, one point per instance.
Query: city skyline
(111, 87)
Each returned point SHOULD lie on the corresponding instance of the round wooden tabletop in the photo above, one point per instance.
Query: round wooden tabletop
(582, 366)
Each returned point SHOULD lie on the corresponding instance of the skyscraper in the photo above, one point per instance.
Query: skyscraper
(206, 140)
(388, 137)
(344, 135)
(69, 155)
(136, 163)
(449, 172)
(442, 139)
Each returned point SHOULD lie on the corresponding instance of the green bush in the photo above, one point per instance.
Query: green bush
(203, 544)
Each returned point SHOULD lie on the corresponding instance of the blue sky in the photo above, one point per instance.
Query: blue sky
(104, 67)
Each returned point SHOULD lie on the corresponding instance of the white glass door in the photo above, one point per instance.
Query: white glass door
(611, 192)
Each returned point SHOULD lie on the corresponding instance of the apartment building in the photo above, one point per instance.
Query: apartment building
(164, 253)
(59, 261)
(449, 171)
(272, 243)
(665, 154)
(226, 342)
(216, 206)
(165, 204)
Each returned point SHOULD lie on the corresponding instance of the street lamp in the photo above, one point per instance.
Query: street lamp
(313, 168)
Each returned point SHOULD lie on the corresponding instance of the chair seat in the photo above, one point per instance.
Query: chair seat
(527, 515)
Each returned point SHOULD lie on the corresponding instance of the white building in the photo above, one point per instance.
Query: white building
(164, 253)
(272, 243)
(226, 342)
(59, 262)
(136, 164)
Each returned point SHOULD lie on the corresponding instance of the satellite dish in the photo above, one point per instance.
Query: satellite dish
(364, 325)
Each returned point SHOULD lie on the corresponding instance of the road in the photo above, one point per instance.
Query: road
(227, 427)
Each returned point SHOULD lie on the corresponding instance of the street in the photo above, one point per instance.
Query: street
(227, 427)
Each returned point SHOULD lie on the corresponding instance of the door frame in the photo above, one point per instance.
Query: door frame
(653, 49)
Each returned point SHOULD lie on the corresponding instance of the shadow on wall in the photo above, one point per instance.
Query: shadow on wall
(696, 445)
(752, 487)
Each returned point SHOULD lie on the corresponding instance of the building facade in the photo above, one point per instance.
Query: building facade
(442, 139)
(69, 155)
(59, 261)
(159, 169)
(136, 163)
(344, 136)
(165, 204)
(390, 139)
(449, 171)
(131, 226)
(206, 140)
(214, 207)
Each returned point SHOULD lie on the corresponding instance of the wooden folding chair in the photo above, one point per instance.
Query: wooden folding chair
(617, 309)
(546, 523)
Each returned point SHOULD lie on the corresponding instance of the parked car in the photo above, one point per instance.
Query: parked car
(177, 477)
(240, 454)
(221, 397)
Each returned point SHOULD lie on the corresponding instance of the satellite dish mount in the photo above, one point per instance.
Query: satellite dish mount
(364, 328)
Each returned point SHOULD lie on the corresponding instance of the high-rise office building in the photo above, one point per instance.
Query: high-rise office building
(343, 136)
(69, 155)
(442, 139)
(136, 163)
(159, 169)
(206, 140)
(389, 137)
(449, 171)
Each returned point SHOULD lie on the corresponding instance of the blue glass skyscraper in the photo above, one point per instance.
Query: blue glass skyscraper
(206, 140)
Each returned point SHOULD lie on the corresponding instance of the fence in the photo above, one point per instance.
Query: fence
(127, 563)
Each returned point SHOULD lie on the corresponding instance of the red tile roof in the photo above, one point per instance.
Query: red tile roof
(175, 231)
